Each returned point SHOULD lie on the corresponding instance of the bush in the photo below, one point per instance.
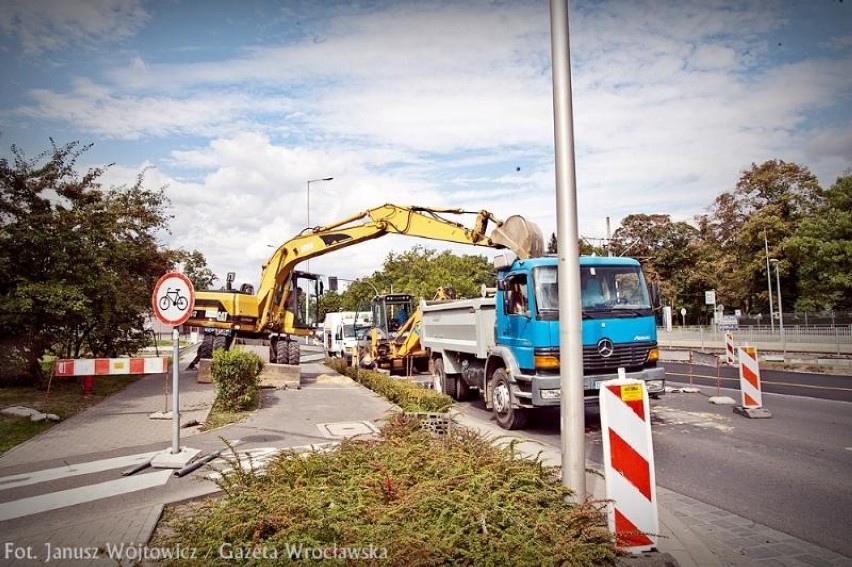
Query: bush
(236, 376)
(408, 395)
(414, 498)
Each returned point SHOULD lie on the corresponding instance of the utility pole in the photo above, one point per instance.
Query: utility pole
(573, 417)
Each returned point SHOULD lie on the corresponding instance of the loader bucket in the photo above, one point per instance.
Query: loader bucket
(521, 236)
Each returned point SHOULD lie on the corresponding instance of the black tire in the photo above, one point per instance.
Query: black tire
(462, 389)
(443, 383)
(507, 417)
(281, 355)
(294, 352)
(220, 342)
(205, 349)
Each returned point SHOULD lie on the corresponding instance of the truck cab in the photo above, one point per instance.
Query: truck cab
(507, 346)
(619, 327)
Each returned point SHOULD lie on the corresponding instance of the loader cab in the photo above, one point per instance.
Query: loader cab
(390, 312)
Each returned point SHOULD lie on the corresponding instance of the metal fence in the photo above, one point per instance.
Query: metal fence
(829, 339)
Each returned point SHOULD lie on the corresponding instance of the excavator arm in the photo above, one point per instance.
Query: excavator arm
(517, 234)
(272, 308)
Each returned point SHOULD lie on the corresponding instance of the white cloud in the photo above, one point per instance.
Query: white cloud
(51, 26)
(427, 103)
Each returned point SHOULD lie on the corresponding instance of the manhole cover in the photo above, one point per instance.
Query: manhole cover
(345, 429)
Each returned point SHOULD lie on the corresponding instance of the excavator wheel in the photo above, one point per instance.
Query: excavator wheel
(205, 349)
(220, 342)
(294, 352)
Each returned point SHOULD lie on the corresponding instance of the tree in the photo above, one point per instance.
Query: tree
(196, 269)
(769, 201)
(821, 250)
(77, 262)
(551, 244)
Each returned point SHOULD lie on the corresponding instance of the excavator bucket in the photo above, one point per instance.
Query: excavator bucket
(521, 236)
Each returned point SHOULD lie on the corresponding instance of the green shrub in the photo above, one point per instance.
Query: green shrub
(236, 376)
(418, 499)
(410, 396)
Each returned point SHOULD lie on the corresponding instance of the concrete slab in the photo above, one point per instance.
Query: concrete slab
(753, 413)
(722, 400)
(280, 376)
(168, 460)
(204, 375)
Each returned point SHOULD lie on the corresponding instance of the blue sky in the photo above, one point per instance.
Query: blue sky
(233, 106)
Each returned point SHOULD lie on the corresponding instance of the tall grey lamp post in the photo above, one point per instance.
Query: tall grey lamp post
(769, 283)
(780, 309)
(308, 262)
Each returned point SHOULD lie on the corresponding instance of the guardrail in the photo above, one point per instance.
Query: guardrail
(818, 339)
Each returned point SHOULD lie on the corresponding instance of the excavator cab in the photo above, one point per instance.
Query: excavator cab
(390, 312)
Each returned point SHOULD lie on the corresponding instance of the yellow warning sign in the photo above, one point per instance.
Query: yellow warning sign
(631, 392)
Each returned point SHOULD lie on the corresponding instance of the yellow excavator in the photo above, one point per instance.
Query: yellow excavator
(277, 312)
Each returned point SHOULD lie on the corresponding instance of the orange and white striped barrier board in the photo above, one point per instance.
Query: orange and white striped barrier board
(105, 366)
(750, 378)
(631, 484)
(730, 349)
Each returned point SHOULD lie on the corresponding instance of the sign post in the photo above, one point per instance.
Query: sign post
(173, 300)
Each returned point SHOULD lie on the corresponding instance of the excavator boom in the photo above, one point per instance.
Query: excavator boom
(271, 309)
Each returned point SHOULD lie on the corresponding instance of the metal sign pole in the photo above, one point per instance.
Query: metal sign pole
(175, 396)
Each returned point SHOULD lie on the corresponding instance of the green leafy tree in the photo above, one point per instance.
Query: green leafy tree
(77, 261)
(769, 201)
(821, 250)
(196, 269)
(552, 244)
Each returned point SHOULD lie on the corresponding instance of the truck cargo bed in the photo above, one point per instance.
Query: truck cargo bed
(464, 325)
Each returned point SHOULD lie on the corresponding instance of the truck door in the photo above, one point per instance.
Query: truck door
(513, 329)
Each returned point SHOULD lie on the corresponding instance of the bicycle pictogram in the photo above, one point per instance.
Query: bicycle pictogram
(173, 297)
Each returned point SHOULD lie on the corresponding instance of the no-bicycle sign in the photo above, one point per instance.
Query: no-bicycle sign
(173, 299)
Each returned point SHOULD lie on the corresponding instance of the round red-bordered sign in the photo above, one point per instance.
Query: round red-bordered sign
(173, 299)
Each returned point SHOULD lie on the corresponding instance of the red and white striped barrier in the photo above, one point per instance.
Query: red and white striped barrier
(104, 366)
(730, 349)
(750, 378)
(631, 483)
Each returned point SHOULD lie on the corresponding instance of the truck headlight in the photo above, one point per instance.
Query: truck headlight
(546, 362)
(551, 394)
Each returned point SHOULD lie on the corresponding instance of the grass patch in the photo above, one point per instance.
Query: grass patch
(219, 417)
(408, 498)
(65, 399)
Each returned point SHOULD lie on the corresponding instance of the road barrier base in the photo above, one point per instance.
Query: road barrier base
(753, 413)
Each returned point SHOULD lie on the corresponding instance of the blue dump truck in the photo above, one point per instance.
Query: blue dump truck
(506, 346)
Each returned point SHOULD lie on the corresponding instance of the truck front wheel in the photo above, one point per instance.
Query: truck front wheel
(443, 383)
(507, 417)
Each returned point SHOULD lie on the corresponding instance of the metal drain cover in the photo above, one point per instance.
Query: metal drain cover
(344, 429)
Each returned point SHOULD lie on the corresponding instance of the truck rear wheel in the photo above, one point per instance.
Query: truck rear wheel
(443, 383)
(507, 416)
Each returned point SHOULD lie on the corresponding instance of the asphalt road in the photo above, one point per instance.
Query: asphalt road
(792, 472)
(826, 386)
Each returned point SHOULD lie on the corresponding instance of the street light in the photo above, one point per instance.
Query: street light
(780, 309)
(769, 284)
(308, 262)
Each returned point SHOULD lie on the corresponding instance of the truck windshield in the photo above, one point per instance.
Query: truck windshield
(348, 331)
(618, 291)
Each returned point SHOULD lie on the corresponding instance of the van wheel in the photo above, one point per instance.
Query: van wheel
(507, 417)
(443, 383)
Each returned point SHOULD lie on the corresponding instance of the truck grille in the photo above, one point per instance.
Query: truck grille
(629, 355)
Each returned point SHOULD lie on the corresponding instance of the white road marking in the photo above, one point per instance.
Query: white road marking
(74, 496)
(36, 477)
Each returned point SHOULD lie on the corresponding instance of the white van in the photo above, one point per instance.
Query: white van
(342, 330)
